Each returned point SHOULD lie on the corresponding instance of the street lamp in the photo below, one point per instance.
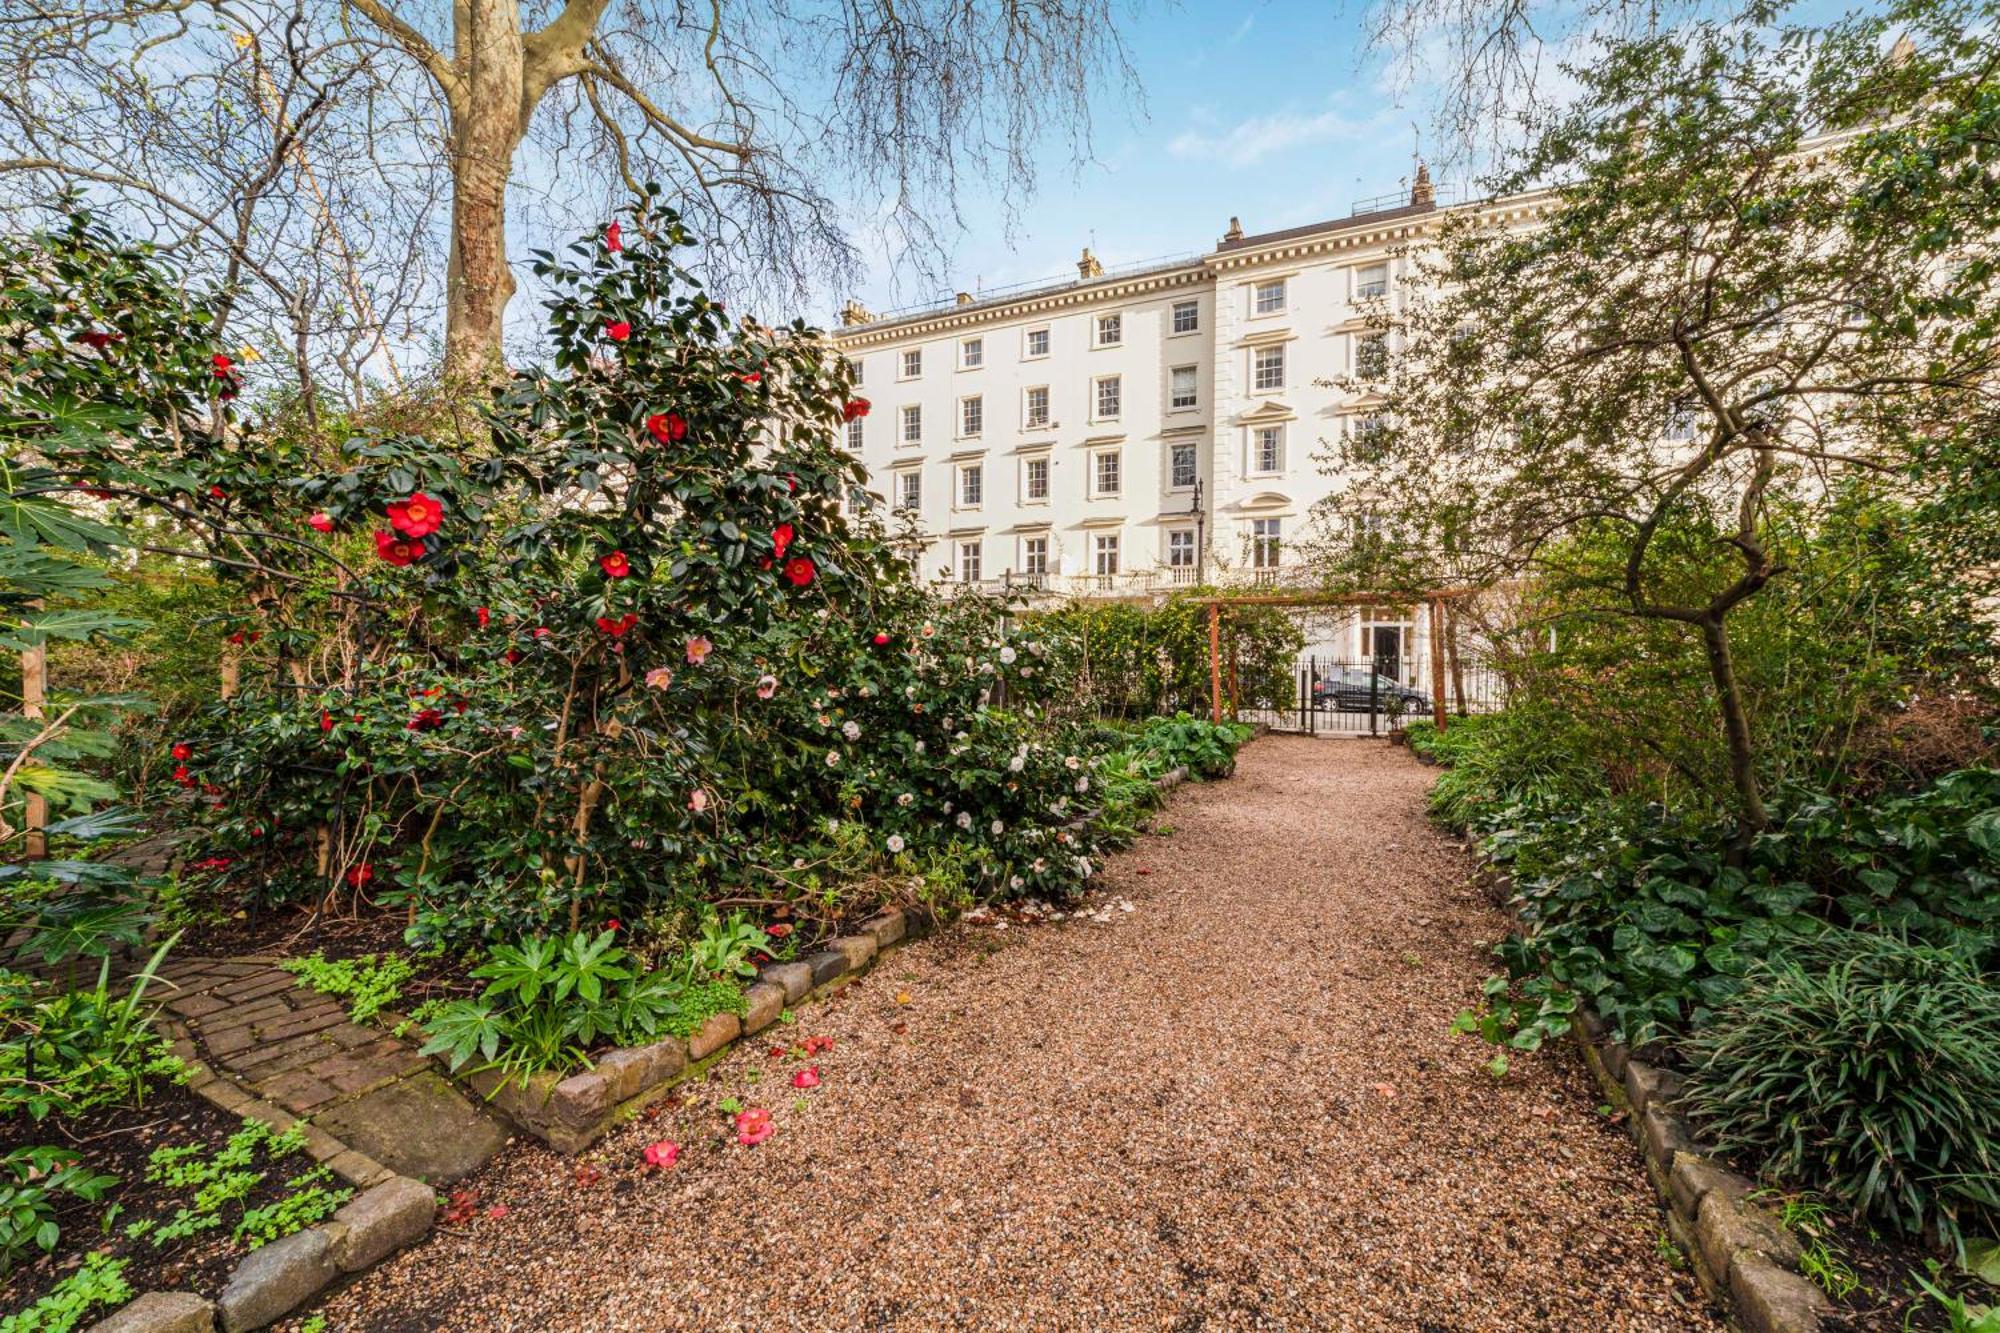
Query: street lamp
(1200, 542)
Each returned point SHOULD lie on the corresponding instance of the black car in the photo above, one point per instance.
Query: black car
(1358, 690)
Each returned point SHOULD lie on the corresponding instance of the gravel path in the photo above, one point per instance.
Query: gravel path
(1236, 1106)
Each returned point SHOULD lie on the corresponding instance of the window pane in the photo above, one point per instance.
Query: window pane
(854, 435)
(1270, 297)
(1187, 316)
(1108, 390)
(1182, 390)
(1371, 281)
(974, 350)
(1038, 479)
(909, 490)
(1107, 472)
(1267, 449)
(913, 363)
(972, 415)
(913, 424)
(1038, 342)
(1037, 413)
(1110, 330)
(1183, 468)
(1106, 554)
(971, 484)
(1268, 368)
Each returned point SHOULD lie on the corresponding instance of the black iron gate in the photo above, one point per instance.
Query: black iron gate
(1372, 696)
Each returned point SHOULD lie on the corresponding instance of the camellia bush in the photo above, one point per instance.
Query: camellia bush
(605, 646)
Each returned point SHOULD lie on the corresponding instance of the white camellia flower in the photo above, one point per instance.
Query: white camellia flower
(1015, 883)
(1017, 763)
(833, 759)
(947, 807)
(1072, 763)
(998, 828)
(851, 730)
(1007, 656)
(1083, 866)
(1082, 785)
(961, 737)
(965, 819)
(920, 747)
(833, 826)
(1040, 866)
(905, 799)
(896, 843)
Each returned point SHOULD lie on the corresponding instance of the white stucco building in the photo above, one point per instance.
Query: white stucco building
(1134, 430)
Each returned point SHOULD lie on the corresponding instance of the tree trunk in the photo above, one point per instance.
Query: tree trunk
(1751, 819)
(488, 121)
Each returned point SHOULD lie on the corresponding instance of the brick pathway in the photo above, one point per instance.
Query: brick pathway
(297, 1049)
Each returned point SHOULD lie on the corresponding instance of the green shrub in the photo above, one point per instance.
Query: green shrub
(100, 1282)
(369, 983)
(30, 1181)
(1868, 1068)
(65, 1052)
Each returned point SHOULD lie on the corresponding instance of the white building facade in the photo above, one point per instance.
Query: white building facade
(1131, 432)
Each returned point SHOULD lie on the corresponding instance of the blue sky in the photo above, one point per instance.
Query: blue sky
(1273, 111)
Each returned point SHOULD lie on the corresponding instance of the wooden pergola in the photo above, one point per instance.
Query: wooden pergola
(1435, 600)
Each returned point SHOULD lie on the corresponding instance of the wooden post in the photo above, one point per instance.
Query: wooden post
(1235, 690)
(34, 692)
(1437, 662)
(1215, 661)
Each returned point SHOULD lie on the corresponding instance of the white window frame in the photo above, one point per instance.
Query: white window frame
(1098, 384)
(1035, 550)
(1268, 296)
(972, 352)
(1028, 495)
(1252, 460)
(1098, 457)
(1259, 367)
(1370, 340)
(910, 365)
(971, 489)
(909, 490)
(1266, 548)
(1174, 403)
(1193, 309)
(972, 416)
(855, 369)
(1359, 426)
(855, 434)
(971, 560)
(1194, 465)
(912, 416)
(1028, 352)
(1180, 548)
(1112, 325)
(1029, 421)
(1362, 283)
(1104, 544)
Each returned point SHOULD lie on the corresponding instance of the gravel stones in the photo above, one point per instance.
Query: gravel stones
(1238, 1105)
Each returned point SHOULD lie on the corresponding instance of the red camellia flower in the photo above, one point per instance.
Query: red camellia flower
(662, 1155)
(325, 720)
(618, 332)
(807, 1077)
(612, 924)
(236, 638)
(182, 776)
(854, 407)
(752, 377)
(360, 875)
(800, 571)
(880, 640)
(221, 363)
(427, 719)
(183, 752)
(512, 655)
(617, 628)
(615, 565)
(418, 516)
(613, 239)
(212, 863)
(95, 337)
(666, 427)
(778, 931)
(321, 522)
(483, 615)
(781, 538)
(754, 1126)
(398, 551)
(215, 493)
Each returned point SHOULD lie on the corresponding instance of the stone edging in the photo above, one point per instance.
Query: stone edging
(571, 1112)
(1742, 1254)
(388, 1212)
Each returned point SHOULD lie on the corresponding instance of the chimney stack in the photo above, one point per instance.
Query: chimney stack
(1423, 194)
(1235, 232)
(1088, 267)
(965, 298)
(852, 313)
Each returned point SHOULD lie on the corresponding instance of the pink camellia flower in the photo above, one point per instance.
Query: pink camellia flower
(698, 649)
(662, 1155)
(659, 678)
(698, 801)
(807, 1077)
(767, 685)
(321, 522)
(754, 1126)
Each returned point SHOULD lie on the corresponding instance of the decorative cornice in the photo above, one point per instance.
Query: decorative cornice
(1267, 338)
(1062, 298)
(1267, 414)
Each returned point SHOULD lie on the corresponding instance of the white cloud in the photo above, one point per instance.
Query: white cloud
(1249, 142)
(1242, 29)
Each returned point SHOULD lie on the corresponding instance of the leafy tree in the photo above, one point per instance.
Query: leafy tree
(1762, 266)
